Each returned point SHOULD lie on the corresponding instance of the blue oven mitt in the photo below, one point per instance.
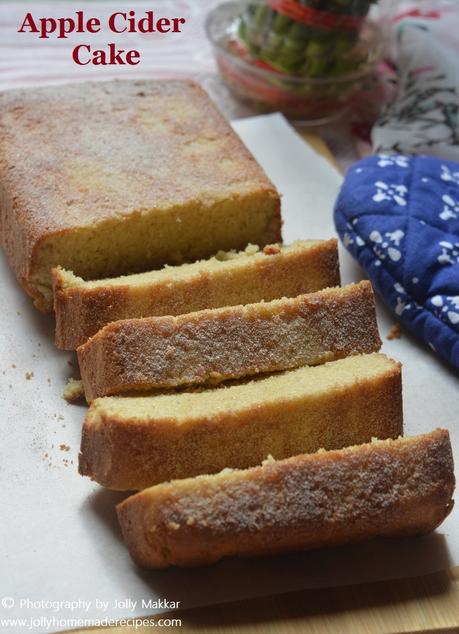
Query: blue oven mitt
(399, 217)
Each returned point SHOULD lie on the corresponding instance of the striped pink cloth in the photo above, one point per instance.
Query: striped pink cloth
(26, 60)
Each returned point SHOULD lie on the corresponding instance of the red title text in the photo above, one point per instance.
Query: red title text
(119, 23)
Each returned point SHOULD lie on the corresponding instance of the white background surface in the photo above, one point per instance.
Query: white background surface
(59, 540)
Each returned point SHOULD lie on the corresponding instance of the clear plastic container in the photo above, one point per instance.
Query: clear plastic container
(313, 38)
(253, 52)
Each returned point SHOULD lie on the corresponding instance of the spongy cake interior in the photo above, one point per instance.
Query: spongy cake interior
(147, 239)
(223, 260)
(204, 483)
(184, 407)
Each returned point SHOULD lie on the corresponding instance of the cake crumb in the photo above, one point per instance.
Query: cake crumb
(395, 332)
(251, 249)
(271, 249)
(29, 375)
(225, 256)
(73, 390)
(13, 365)
(64, 447)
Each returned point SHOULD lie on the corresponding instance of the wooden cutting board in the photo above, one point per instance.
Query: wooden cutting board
(427, 604)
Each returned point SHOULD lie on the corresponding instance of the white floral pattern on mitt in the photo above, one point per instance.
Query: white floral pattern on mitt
(399, 217)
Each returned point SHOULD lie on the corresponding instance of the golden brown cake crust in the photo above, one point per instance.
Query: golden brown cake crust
(393, 488)
(211, 346)
(78, 161)
(305, 267)
(131, 443)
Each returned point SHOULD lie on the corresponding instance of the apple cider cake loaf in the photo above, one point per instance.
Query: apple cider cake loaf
(386, 488)
(229, 278)
(211, 346)
(135, 442)
(108, 178)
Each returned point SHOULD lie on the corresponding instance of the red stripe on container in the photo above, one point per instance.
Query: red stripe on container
(315, 17)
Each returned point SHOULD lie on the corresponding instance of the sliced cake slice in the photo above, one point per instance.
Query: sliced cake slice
(389, 488)
(82, 308)
(210, 346)
(135, 442)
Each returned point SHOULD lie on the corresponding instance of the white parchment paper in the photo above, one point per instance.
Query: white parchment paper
(59, 540)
